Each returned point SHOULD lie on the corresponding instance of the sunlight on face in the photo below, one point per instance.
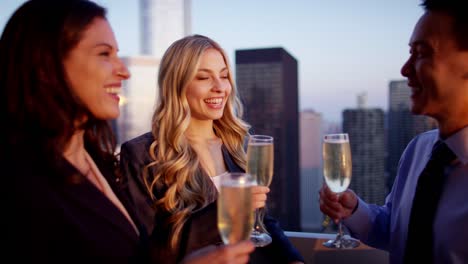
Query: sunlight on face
(95, 72)
(208, 92)
(436, 68)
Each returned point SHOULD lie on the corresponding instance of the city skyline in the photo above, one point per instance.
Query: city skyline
(365, 127)
(310, 167)
(342, 48)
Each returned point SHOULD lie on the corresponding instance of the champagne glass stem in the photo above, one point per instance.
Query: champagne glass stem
(258, 225)
(260, 236)
(257, 220)
(340, 230)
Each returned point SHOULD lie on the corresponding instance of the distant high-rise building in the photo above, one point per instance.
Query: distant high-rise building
(162, 23)
(332, 127)
(366, 137)
(311, 131)
(402, 125)
(139, 97)
(268, 86)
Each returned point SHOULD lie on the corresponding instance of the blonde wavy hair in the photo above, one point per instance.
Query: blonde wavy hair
(175, 165)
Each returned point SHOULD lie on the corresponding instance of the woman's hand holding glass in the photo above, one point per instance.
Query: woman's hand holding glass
(259, 196)
(260, 156)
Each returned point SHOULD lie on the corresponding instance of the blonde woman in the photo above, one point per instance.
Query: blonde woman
(197, 134)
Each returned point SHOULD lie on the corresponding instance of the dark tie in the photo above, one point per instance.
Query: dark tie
(419, 243)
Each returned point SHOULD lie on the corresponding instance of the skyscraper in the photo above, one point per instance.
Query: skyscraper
(365, 127)
(311, 179)
(162, 23)
(268, 86)
(139, 97)
(402, 125)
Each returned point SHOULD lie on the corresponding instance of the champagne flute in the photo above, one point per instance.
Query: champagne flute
(235, 208)
(260, 166)
(337, 169)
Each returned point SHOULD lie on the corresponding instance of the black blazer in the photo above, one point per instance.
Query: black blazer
(59, 216)
(201, 228)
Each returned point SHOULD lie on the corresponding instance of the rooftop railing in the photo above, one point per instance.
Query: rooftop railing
(311, 248)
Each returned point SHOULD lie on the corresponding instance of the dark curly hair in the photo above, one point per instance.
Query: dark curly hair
(41, 109)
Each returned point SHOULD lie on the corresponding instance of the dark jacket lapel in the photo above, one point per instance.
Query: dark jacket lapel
(229, 162)
(122, 192)
(90, 198)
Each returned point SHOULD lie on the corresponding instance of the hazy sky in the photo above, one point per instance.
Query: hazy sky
(343, 47)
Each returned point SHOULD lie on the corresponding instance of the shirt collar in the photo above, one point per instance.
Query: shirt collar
(458, 143)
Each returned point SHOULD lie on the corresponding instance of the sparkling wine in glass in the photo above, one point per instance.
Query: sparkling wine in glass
(260, 166)
(235, 209)
(337, 169)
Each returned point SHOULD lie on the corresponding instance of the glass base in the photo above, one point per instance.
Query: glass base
(342, 243)
(260, 239)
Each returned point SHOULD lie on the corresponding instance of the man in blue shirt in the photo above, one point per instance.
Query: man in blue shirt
(437, 73)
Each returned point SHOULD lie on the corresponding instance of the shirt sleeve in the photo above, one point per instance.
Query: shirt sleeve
(371, 223)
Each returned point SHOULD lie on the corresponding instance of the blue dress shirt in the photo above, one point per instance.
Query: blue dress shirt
(385, 227)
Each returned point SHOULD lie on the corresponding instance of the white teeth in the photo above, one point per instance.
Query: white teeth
(113, 90)
(214, 101)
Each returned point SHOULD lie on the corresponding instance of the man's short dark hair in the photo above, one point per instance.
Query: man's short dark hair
(458, 9)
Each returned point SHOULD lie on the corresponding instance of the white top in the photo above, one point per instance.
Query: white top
(217, 180)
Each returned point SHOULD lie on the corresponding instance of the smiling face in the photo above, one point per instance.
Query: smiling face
(437, 69)
(95, 72)
(209, 90)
